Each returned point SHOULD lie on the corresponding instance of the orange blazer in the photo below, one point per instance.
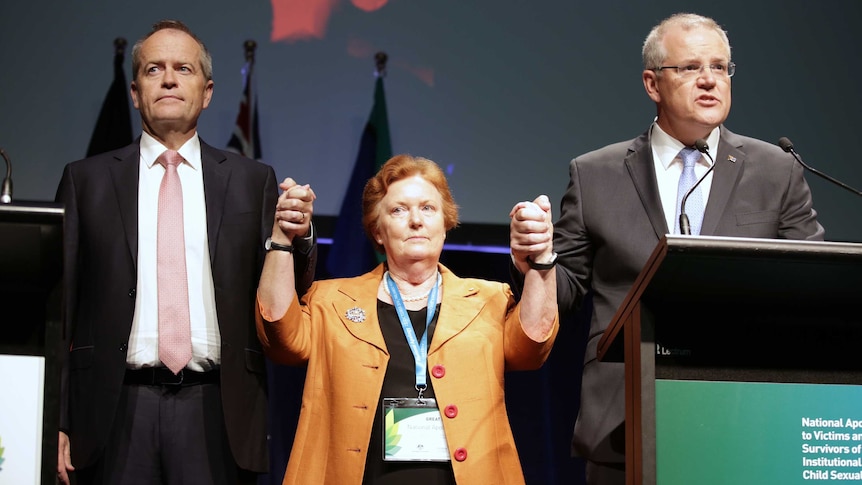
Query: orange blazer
(477, 338)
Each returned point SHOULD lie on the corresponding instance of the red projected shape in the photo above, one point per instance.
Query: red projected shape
(294, 20)
(369, 5)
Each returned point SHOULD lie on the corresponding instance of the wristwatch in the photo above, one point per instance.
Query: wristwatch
(543, 266)
(269, 246)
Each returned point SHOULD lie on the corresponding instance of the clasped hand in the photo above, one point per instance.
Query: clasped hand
(293, 211)
(531, 232)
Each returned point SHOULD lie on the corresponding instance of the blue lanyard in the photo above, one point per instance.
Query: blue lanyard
(420, 347)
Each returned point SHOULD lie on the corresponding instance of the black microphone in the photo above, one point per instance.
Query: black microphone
(684, 227)
(787, 146)
(6, 191)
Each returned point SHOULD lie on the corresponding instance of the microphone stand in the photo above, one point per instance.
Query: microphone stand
(787, 146)
(684, 225)
(6, 191)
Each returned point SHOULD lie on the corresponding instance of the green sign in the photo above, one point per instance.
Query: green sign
(757, 433)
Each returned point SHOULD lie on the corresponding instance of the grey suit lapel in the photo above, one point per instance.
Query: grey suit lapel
(639, 163)
(216, 175)
(728, 168)
(124, 175)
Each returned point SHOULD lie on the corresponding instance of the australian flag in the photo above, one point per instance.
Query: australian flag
(245, 139)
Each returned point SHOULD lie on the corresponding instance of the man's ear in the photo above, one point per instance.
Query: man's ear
(208, 93)
(650, 79)
(133, 91)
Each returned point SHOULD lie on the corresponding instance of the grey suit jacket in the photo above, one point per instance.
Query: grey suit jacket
(100, 195)
(612, 218)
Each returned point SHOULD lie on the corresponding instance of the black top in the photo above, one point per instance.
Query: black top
(400, 381)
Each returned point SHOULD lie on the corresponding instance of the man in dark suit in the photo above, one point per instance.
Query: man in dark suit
(623, 198)
(127, 416)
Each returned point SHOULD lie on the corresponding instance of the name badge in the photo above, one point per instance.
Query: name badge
(413, 430)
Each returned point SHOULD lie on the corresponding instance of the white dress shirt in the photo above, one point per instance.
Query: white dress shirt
(206, 341)
(668, 168)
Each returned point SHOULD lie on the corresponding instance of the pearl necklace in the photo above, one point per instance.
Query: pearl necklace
(412, 298)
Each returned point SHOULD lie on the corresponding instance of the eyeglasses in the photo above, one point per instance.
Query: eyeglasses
(693, 70)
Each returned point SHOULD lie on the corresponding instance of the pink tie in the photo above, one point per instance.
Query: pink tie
(175, 342)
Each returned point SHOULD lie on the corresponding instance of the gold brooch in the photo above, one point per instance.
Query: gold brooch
(355, 315)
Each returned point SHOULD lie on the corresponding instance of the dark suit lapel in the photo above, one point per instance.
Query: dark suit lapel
(216, 175)
(639, 163)
(728, 168)
(124, 176)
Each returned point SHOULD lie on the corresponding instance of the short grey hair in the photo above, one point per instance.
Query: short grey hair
(654, 52)
(206, 59)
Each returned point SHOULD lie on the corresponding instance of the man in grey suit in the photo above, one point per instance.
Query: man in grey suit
(621, 199)
(127, 417)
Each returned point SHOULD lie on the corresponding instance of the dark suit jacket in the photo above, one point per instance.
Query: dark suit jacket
(100, 195)
(612, 218)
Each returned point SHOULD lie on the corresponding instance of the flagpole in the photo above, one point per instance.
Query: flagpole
(250, 47)
(120, 46)
(380, 64)
(351, 252)
(114, 125)
(245, 138)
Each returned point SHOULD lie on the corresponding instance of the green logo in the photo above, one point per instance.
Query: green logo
(392, 435)
(1, 454)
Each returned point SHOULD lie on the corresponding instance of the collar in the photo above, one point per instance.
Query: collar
(666, 148)
(152, 148)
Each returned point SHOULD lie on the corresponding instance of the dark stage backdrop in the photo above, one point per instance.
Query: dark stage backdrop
(503, 93)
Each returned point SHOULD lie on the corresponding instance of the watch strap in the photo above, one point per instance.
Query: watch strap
(543, 266)
(272, 245)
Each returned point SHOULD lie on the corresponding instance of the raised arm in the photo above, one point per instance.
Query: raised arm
(293, 212)
(531, 243)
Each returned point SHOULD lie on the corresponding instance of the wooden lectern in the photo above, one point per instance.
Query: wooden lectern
(740, 315)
